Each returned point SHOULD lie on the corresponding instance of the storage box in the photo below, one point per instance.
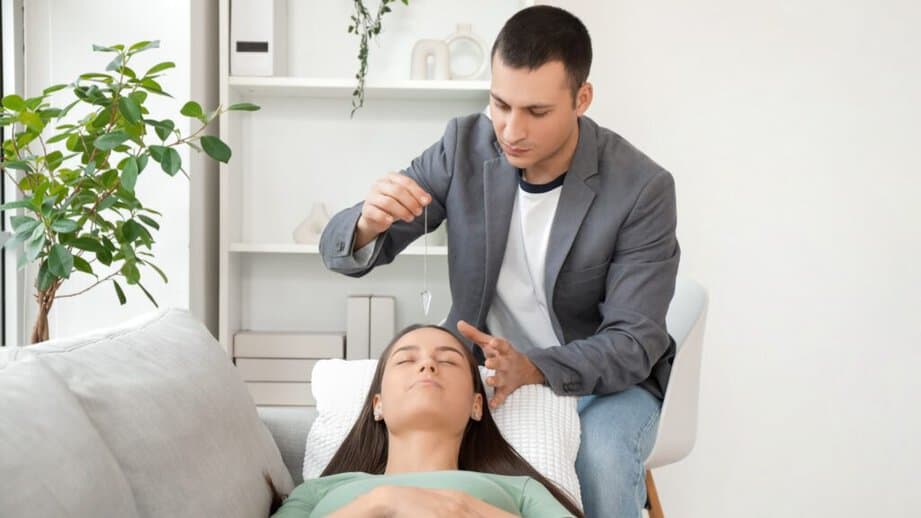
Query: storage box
(258, 344)
(258, 37)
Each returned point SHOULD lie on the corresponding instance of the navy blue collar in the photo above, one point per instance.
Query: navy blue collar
(539, 188)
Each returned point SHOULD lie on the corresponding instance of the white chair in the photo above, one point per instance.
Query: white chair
(686, 320)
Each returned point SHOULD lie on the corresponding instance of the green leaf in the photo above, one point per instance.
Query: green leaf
(34, 244)
(149, 296)
(152, 86)
(86, 243)
(144, 45)
(247, 107)
(130, 173)
(116, 63)
(192, 109)
(108, 141)
(45, 277)
(157, 152)
(83, 265)
(20, 222)
(53, 160)
(19, 165)
(132, 230)
(160, 67)
(130, 109)
(170, 161)
(51, 89)
(119, 292)
(101, 48)
(14, 241)
(64, 226)
(57, 138)
(149, 221)
(60, 262)
(163, 128)
(215, 148)
(142, 162)
(18, 204)
(32, 121)
(158, 270)
(14, 103)
(131, 272)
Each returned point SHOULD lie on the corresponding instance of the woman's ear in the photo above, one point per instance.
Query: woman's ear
(377, 408)
(476, 413)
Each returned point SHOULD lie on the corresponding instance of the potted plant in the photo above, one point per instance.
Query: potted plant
(80, 212)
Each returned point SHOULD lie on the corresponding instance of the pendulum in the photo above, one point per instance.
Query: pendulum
(426, 294)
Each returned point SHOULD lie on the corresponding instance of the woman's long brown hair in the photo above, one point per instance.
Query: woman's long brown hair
(482, 448)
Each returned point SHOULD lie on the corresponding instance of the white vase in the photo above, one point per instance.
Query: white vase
(434, 51)
(309, 231)
(464, 34)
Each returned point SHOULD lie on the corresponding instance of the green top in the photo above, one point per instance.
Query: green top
(520, 495)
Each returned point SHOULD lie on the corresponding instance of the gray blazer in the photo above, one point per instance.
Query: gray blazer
(611, 261)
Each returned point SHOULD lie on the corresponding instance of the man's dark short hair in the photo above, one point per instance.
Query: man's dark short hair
(543, 33)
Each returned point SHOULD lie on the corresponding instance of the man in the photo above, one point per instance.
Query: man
(562, 248)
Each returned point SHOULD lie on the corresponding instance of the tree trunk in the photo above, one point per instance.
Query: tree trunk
(45, 300)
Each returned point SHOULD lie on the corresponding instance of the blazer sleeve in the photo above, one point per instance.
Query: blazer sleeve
(432, 170)
(640, 283)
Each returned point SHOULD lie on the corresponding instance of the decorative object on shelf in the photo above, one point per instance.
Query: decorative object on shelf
(437, 52)
(309, 231)
(365, 27)
(258, 37)
(463, 38)
(84, 201)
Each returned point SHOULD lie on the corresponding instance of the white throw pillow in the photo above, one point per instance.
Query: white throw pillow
(542, 426)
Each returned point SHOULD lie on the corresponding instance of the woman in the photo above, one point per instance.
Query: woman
(425, 444)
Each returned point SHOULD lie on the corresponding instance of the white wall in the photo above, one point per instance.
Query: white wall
(792, 129)
(59, 35)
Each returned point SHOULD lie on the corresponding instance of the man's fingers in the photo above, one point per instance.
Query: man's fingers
(473, 334)
(412, 188)
(498, 398)
(495, 363)
(491, 381)
(375, 215)
(387, 198)
(401, 195)
(501, 346)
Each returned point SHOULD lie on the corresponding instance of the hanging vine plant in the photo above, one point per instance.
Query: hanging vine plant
(366, 27)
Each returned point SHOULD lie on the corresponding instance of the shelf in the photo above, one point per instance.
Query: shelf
(343, 88)
(296, 248)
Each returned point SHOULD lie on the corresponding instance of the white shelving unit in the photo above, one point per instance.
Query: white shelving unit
(302, 148)
(342, 88)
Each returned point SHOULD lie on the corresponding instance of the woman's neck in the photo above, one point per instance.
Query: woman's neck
(425, 450)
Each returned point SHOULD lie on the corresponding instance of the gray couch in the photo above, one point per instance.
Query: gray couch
(148, 418)
(289, 427)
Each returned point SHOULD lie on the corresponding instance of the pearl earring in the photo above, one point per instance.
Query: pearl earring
(377, 413)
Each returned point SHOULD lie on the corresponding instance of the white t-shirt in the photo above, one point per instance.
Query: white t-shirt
(520, 310)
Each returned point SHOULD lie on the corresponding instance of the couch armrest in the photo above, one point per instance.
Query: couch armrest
(289, 427)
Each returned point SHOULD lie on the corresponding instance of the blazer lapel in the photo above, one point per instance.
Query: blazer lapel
(575, 200)
(500, 182)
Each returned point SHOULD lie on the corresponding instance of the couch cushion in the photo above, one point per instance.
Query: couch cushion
(176, 415)
(52, 460)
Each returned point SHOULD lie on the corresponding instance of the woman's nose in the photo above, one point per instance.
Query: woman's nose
(427, 364)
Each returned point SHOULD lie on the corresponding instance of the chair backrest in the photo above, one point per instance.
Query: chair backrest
(686, 320)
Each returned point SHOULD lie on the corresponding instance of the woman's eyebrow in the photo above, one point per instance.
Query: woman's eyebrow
(437, 349)
(449, 348)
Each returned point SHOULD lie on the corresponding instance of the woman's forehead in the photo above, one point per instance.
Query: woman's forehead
(427, 339)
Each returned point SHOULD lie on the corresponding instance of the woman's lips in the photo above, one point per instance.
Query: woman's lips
(514, 151)
(426, 383)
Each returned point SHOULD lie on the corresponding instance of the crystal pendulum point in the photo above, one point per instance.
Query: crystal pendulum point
(426, 294)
